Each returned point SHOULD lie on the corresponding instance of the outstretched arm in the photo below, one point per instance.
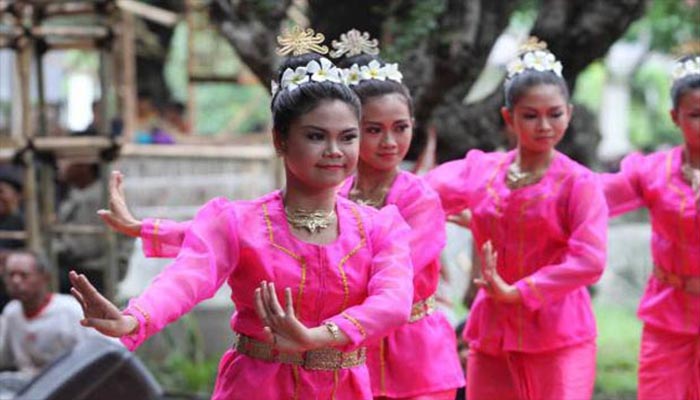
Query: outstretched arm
(118, 217)
(161, 238)
(98, 312)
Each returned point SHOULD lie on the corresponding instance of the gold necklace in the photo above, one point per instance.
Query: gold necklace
(368, 201)
(313, 221)
(515, 178)
(692, 176)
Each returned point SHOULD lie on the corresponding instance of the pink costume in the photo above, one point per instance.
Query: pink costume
(361, 282)
(421, 356)
(671, 315)
(550, 238)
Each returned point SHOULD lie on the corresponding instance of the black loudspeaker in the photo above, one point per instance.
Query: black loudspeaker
(95, 369)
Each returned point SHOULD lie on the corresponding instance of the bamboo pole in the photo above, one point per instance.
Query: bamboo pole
(191, 88)
(127, 90)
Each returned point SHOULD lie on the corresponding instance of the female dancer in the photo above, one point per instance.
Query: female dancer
(418, 360)
(541, 221)
(344, 270)
(668, 184)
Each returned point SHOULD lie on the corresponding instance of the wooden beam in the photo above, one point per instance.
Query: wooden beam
(151, 13)
(97, 32)
(259, 152)
(78, 229)
(13, 235)
(75, 8)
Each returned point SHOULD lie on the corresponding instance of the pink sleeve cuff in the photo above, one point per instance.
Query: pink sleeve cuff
(532, 296)
(134, 340)
(149, 237)
(351, 327)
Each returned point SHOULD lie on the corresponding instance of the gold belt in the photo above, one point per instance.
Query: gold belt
(688, 284)
(422, 309)
(328, 359)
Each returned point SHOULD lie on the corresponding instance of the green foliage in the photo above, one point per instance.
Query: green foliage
(650, 124)
(408, 26)
(589, 86)
(619, 334)
(219, 108)
(185, 369)
(668, 23)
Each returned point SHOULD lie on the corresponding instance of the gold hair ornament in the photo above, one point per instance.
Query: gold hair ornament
(298, 41)
(534, 55)
(353, 43)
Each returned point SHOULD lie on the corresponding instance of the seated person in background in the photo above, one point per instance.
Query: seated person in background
(37, 325)
(86, 253)
(175, 119)
(149, 122)
(11, 217)
(4, 298)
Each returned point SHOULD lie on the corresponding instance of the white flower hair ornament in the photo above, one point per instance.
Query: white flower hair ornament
(535, 56)
(320, 70)
(374, 70)
(686, 68)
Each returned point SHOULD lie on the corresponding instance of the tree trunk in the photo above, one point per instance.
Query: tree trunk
(443, 56)
(150, 62)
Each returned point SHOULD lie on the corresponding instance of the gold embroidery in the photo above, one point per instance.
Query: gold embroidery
(679, 225)
(363, 241)
(295, 374)
(335, 384)
(521, 245)
(423, 308)
(357, 324)
(146, 316)
(531, 282)
(155, 243)
(301, 260)
(382, 367)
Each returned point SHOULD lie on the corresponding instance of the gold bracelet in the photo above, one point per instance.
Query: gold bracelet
(334, 330)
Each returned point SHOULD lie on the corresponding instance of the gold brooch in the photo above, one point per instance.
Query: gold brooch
(301, 41)
(515, 178)
(312, 221)
(354, 42)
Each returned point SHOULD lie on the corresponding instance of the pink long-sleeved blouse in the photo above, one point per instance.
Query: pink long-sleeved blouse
(655, 181)
(419, 357)
(550, 238)
(361, 282)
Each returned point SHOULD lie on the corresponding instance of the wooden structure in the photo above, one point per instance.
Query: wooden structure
(31, 29)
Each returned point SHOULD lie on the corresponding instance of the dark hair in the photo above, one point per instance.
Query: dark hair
(370, 88)
(288, 105)
(684, 85)
(516, 86)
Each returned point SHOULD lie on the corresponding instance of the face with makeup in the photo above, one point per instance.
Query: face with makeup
(539, 118)
(387, 129)
(686, 115)
(321, 147)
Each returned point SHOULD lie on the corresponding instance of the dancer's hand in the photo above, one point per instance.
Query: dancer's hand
(118, 217)
(99, 312)
(492, 282)
(463, 219)
(282, 328)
